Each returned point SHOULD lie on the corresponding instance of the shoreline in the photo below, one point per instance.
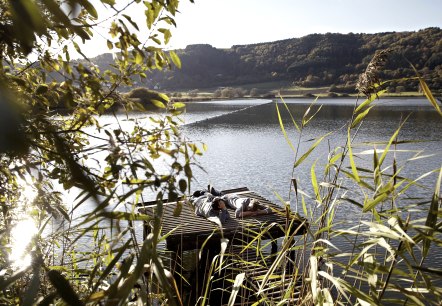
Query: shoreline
(210, 99)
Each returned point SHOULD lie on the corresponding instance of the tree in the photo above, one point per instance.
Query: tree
(47, 153)
(254, 92)
(193, 93)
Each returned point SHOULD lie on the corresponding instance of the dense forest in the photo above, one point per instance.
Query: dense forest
(311, 61)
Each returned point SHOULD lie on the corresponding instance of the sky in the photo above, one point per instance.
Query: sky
(223, 23)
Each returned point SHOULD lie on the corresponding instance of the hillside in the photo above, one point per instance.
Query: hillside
(315, 60)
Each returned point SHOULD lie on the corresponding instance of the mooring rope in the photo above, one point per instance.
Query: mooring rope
(207, 120)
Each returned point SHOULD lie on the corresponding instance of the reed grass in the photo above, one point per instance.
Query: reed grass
(386, 258)
(99, 260)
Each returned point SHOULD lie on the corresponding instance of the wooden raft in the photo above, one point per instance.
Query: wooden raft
(186, 231)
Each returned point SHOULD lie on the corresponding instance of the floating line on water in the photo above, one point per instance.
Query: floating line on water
(206, 120)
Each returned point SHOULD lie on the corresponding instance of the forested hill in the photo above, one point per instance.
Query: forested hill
(313, 60)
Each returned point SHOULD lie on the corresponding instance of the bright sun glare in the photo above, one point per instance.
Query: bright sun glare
(25, 229)
(21, 236)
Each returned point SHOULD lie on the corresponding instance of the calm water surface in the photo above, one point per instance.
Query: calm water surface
(246, 146)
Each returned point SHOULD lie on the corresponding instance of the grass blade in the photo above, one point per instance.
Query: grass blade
(290, 113)
(314, 277)
(352, 161)
(432, 215)
(429, 95)
(239, 279)
(63, 288)
(306, 154)
(368, 101)
(306, 120)
(224, 243)
(360, 117)
(392, 138)
(315, 182)
(281, 124)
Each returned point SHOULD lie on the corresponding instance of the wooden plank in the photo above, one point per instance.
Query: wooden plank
(190, 231)
(186, 231)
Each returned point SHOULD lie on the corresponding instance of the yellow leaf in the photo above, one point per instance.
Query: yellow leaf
(429, 95)
(352, 162)
(175, 59)
(158, 104)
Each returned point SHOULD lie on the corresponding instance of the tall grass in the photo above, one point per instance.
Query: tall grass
(99, 259)
(377, 256)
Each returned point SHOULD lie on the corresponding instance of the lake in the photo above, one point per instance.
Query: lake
(246, 146)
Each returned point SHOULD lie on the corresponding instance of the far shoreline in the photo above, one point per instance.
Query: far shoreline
(197, 99)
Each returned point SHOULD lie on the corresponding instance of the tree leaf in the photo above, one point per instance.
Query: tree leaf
(175, 59)
(42, 89)
(128, 18)
(157, 103)
(89, 7)
(178, 105)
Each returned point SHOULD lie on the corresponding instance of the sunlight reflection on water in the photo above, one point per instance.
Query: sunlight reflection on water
(25, 229)
(247, 148)
(21, 236)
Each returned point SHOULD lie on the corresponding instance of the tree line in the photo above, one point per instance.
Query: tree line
(311, 61)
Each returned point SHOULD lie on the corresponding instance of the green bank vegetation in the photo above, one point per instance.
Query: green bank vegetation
(96, 258)
(389, 235)
(73, 253)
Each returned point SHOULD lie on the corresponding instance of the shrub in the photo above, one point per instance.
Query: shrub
(148, 98)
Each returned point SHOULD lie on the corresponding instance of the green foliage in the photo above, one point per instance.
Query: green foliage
(377, 256)
(77, 179)
(391, 242)
(147, 98)
(53, 167)
(229, 93)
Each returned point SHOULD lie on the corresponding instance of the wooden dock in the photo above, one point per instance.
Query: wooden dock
(184, 231)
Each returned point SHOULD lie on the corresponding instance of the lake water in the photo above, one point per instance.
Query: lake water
(246, 146)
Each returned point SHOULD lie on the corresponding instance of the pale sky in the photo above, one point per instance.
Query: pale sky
(223, 23)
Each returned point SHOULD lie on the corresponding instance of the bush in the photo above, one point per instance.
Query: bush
(229, 93)
(254, 92)
(146, 97)
(193, 93)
